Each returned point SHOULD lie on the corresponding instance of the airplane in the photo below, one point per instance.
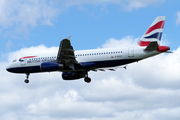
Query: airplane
(76, 64)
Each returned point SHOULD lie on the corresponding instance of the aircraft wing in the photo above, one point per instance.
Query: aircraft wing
(110, 68)
(66, 52)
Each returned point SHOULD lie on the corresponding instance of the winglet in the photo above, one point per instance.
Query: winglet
(68, 38)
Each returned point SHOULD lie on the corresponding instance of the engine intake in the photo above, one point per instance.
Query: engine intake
(51, 66)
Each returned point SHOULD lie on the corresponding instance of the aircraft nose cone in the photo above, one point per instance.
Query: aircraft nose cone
(8, 69)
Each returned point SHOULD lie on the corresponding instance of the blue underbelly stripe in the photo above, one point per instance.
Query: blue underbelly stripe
(95, 64)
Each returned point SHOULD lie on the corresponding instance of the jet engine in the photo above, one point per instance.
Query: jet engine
(73, 75)
(51, 66)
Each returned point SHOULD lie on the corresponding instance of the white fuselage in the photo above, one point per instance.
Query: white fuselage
(99, 57)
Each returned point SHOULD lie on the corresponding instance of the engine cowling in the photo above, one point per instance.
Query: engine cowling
(51, 66)
(72, 75)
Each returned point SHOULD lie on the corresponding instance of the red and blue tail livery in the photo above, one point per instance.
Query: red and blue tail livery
(76, 64)
(154, 32)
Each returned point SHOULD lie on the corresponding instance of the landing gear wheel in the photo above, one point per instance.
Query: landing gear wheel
(26, 81)
(87, 79)
(27, 76)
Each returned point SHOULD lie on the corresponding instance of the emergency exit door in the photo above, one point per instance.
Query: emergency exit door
(131, 52)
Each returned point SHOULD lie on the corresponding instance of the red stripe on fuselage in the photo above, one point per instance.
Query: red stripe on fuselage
(158, 25)
(28, 57)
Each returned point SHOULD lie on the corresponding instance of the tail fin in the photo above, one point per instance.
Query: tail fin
(154, 32)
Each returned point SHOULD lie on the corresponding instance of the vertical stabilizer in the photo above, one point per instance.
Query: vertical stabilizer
(154, 32)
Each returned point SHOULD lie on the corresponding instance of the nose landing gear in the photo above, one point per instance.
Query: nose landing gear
(27, 76)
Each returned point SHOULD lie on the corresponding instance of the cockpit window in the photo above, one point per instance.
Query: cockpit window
(14, 60)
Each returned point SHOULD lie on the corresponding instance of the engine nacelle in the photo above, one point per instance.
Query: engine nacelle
(73, 75)
(51, 66)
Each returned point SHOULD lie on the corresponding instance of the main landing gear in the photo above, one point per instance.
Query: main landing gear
(27, 76)
(87, 79)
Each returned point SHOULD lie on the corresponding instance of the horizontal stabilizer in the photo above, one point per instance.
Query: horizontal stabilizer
(168, 52)
(152, 46)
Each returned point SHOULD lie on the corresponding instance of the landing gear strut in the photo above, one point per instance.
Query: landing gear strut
(27, 76)
(87, 79)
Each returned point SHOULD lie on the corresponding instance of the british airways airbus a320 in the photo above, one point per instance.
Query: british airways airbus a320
(77, 64)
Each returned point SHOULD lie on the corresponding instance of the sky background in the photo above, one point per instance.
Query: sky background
(149, 89)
